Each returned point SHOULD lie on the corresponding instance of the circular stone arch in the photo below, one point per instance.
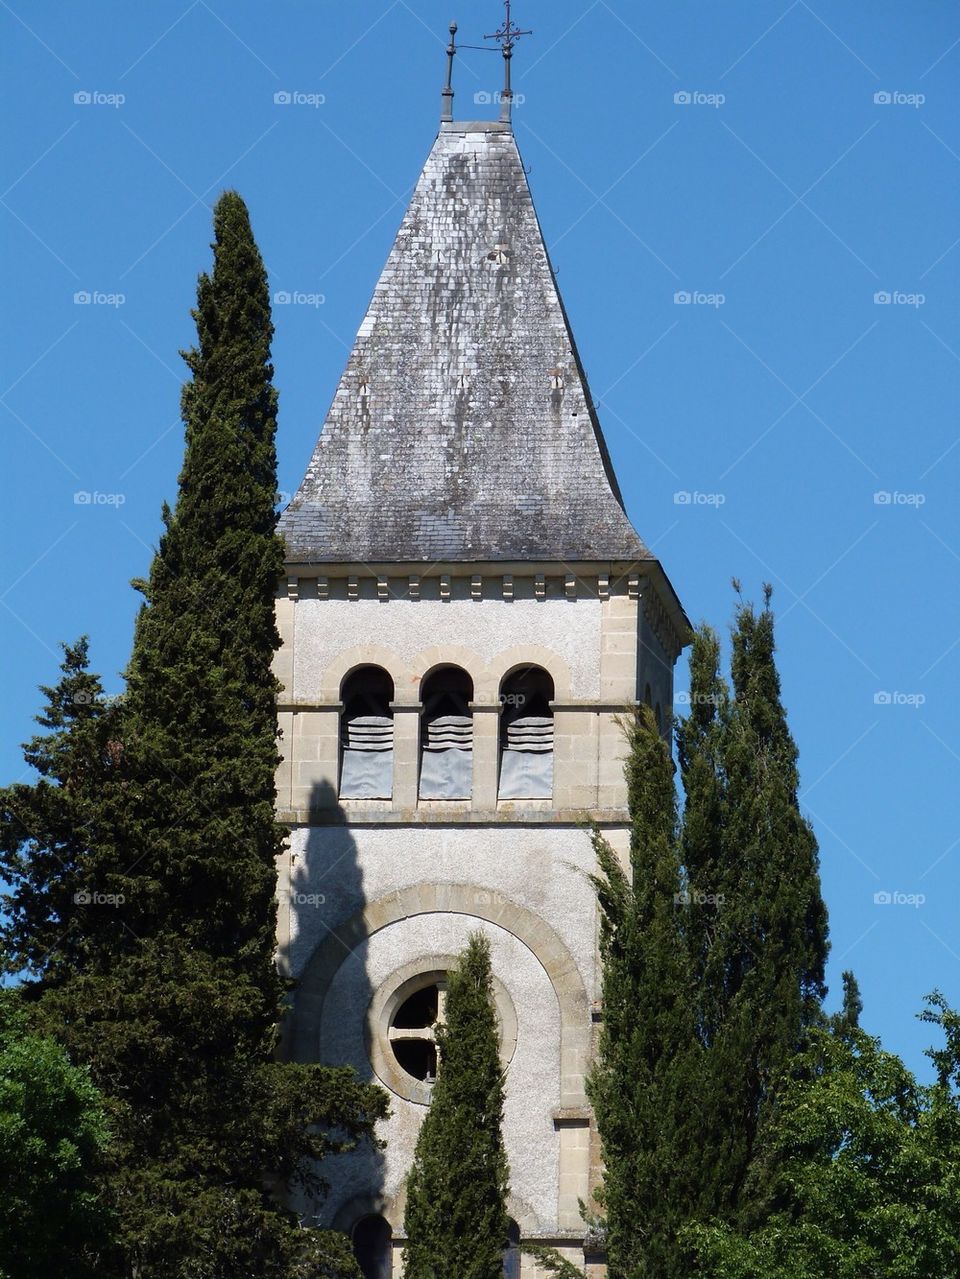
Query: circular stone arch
(453, 899)
(520, 656)
(352, 659)
(433, 659)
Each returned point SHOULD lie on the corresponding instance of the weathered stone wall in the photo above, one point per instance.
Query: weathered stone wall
(372, 891)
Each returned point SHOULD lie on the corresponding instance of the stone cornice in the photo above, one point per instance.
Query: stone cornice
(607, 818)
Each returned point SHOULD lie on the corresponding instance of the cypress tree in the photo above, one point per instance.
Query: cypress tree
(175, 998)
(760, 957)
(456, 1217)
(640, 1085)
(706, 1007)
(700, 752)
(848, 1018)
(48, 829)
(201, 699)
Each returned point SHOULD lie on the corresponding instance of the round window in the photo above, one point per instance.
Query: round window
(413, 1031)
(404, 1016)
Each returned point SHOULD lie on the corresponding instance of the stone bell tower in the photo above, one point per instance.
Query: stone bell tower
(467, 609)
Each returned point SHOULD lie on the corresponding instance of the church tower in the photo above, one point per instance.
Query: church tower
(466, 611)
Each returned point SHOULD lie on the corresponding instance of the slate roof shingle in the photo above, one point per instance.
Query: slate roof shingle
(462, 428)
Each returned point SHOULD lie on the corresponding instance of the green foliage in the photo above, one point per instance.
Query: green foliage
(640, 1085)
(150, 843)
(456, 1218)
(53, 1136)
(848, 1018)
(550, 1261)
(200, 715)
(49, 830)
(863, 1166)
(757, 925)
(713, 947)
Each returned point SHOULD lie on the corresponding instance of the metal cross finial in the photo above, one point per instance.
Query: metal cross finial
(446, 97)
(507, 36)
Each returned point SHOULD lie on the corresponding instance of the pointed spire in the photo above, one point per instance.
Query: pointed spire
(446, 97)
(508, 35)
(463, 428)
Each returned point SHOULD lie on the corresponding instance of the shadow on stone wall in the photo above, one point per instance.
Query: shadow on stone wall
(326, 890)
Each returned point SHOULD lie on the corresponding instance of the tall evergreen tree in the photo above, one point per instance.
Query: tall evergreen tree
(701, 739)
(174, 998)
(760, 953)
(201, 699)
(848, 1018)
(50, 827)
(456, 1217)
(640, 1085)
(706, 1007)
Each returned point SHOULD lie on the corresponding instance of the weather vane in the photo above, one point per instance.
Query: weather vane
(507, 37)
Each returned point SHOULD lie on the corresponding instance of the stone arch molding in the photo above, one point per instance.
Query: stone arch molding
(352, 658)
(408, 674)
(393, 1207)
(521, 655)
(453, 899)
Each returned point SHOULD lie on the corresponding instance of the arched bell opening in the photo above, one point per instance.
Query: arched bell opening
(526, 735)
(366, 735)
(446, 735)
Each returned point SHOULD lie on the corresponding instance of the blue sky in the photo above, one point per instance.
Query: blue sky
(787, 167)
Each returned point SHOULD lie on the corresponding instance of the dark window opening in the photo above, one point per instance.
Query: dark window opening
(366, 735)
(413, 1031)
(373, 1247)
(511, 1252)
(526, 735)
(446, 735)
(418, 1057)
(419, 1010)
